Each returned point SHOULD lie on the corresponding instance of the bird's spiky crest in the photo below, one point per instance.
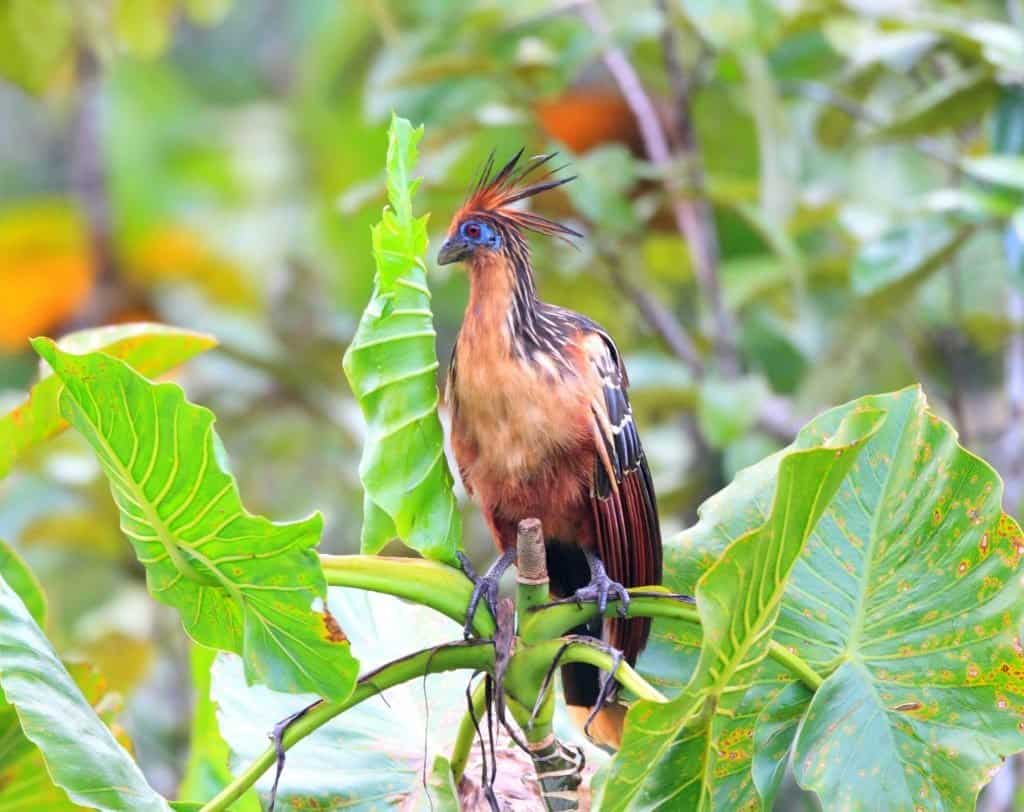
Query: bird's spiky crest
(495, 192)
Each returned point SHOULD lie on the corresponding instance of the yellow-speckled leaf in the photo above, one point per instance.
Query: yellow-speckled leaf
(906, 599)
(673, 755)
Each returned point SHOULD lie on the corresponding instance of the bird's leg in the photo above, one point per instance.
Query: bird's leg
(484, 587)
(601, 587)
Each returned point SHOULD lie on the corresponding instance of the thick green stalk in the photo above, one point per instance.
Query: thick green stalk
(553, 620)
(530, 665)
(547, 622)
(434, 585)
(473, 656)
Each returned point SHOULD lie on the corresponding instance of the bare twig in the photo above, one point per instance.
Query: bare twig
(88, 184)
(658, 318)
(692, 214)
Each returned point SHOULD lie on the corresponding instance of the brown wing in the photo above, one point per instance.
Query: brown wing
(622, 494)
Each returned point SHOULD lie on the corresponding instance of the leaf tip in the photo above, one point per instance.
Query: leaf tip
(45, 347)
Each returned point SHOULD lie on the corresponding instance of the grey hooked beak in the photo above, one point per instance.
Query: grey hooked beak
(454, 249)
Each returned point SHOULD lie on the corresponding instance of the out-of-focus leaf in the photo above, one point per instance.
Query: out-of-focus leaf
(391, 365)
(81, 754)
(143, 27)
(862, 41)
(35, 41)
(773, 739)
(1008, 122)
(241, 582)
(682, 754)
(438, 791)
(170, 254)
(605, 177)
(834, 125)
(1008, 139)
(969, 205)
(1002, 170)
(732, 23)
(207, 771)
(388, 742)
(903, 257)
(912, 578)
(150, 348)
(726, 408)
(950, 103)
(207, 12)
(24, 582)
(769, 344)
(1000, 44)
(660, 381)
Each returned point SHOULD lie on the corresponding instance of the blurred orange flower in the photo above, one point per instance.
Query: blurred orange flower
(45, 270)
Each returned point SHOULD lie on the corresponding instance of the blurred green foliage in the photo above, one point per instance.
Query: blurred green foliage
(863, 163)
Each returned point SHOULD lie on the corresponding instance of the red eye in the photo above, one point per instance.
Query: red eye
(473, 231)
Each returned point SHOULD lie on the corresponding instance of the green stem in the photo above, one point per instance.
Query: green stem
(795, 664)
(429, 583)
(547, 622)
(467, 732)
(475, 656)
(554, 620)
(530, 665)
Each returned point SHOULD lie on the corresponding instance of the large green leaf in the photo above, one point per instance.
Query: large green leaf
(24, 582)
(241, 582)
(13, 744)
(913, 599)
(905, 594)
(673, 754)
(150, 348)
(391, 365)
(81, 754)
(375, 755)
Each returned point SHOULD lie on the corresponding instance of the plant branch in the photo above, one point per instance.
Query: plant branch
(693, 217)
(554, 619)
(692, 214)
(658, 317)
(536, 660)
(429, 583)
(472, 655)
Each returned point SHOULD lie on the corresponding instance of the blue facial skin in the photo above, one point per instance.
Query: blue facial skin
(471, 235)
(478, 233)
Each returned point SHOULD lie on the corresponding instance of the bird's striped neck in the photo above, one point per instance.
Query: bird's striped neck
(504, 298)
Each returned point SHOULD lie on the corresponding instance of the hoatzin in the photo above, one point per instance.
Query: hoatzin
(542, 426)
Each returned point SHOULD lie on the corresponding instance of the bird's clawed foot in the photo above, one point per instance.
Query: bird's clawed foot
(601, 588)
(485, 587)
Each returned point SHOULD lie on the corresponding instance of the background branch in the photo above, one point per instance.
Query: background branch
(692, 214)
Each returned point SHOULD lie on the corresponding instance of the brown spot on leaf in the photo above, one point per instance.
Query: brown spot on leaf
(905, 707)
(334, 632)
